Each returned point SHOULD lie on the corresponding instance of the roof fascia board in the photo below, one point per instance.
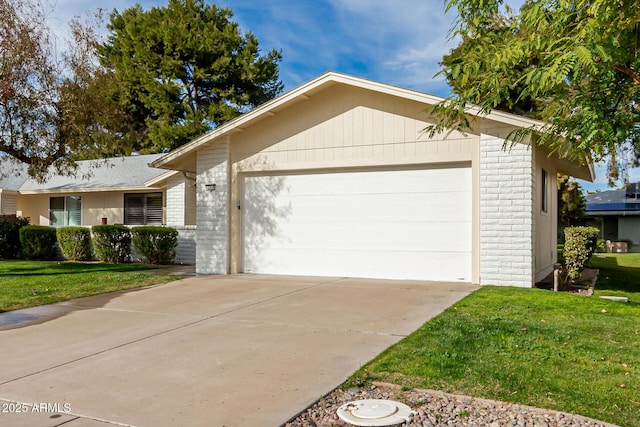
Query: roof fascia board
(87, 190)
(154, 181)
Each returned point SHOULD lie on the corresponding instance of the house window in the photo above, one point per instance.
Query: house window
(545, 191)
(65, 211)
(142, 209)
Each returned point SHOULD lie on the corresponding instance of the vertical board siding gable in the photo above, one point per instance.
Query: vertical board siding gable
(344, 127)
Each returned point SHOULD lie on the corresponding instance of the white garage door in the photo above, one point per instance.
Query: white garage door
(393, 224)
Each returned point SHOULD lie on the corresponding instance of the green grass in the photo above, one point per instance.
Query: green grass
(31, 283)
(555, 350)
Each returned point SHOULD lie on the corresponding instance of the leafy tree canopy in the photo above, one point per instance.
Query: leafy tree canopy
(573, 64)
(571, 201)
(183, 69)
(49, 107)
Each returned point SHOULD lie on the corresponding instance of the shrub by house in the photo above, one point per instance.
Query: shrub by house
(75, 243)
(112, 243)
(10, 226)
(156, 244)
(38, 242)
(579, 245)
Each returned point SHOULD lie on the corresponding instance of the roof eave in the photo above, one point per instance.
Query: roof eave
(584, 171)
(88, 190)
(612, 213)
(157, 180)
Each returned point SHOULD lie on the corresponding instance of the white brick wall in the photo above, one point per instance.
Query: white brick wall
(181, 201)
(212, 209)
(186, 251)
(506, 213)
(175, 201)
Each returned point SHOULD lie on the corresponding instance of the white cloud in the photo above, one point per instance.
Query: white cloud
(394, 41)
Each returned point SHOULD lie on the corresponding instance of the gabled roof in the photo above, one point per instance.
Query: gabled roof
(307, 90)
(117, 173)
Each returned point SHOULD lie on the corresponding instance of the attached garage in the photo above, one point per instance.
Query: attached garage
(390, 224)
(338, 177)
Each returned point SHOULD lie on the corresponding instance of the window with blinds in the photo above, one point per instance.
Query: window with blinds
(143, 209)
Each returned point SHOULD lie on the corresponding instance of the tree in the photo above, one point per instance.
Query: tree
(573, 64)
(571, 201)
(183, 69)
(49, 108)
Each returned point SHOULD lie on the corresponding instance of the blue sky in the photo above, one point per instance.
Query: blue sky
(393, 41)
(399, 42)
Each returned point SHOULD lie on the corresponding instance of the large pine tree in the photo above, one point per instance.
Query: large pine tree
(183, 69)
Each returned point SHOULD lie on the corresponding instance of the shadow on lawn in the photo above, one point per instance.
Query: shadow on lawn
(613, 277)
(49, 268)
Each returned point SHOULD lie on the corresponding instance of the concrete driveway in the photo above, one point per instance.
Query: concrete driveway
(240, 350)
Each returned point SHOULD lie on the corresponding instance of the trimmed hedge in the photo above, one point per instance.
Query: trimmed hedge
(112, 243)
(75, 243)
(579, 245)
(38, 242)
(10, 226)
(156, 244)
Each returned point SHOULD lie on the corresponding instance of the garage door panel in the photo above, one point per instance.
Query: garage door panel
(407, 224)
(392, 181)
(431, 237)
(407, 265)
(380, 207)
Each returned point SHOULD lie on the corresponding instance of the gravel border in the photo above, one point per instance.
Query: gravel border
(435, 408)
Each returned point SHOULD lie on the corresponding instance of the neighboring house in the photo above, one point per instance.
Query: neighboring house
(616, 213)
(124, 190)
(337, 178)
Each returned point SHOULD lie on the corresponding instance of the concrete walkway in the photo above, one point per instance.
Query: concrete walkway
(241, 350)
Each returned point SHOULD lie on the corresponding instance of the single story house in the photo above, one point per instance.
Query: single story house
(338, 178)
(123, 190)
(616, 213)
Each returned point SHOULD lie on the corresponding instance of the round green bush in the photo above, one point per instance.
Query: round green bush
(10, 226)
(156, 244)
(75, 243)
(112, 243)
(38, 242)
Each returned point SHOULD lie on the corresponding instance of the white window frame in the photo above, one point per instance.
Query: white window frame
(65, 211)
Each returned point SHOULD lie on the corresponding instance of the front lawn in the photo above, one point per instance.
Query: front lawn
(31, 283)
(555, 350)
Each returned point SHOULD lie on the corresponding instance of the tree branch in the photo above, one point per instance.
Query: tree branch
(629, 72)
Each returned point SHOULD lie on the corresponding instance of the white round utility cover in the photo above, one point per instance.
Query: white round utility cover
(374, 412)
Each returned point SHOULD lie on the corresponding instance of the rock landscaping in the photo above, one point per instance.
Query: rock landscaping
(434, 408)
